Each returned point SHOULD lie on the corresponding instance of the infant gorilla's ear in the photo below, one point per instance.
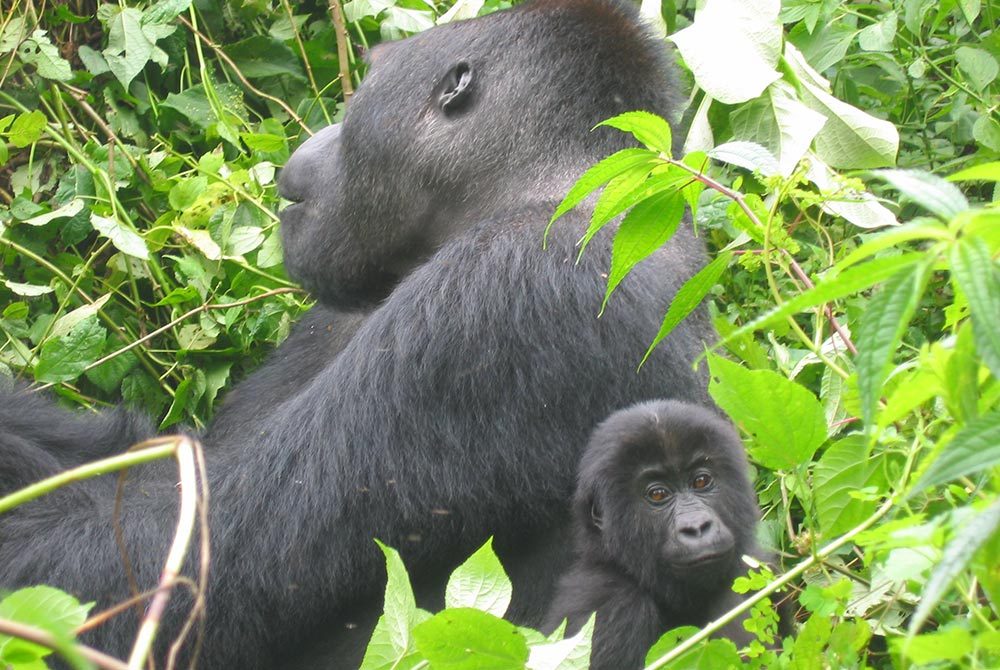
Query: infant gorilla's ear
(676, 514)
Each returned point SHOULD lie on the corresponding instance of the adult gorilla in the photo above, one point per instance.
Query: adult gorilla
(455, 405)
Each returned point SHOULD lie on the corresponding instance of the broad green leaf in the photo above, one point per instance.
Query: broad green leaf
(949, 644)
(392, 645)
(69, 210)
(844, 468)
(64, 358)
(355, 10)
(752, 38)
(68, 321)
(27, 290)
(165, 11)
(612, 201)
(26, 129)
(123, 238)
(467, 639)
(480, 582)
(600, 174)
(461, 10)
(40, 52)
(572, 653)
(785, 420)
(859, 208)
(879, 36)
(851, 138)
(714, 654)
(780, 123)
(986, 131)
(42, 607)
(984, 172)
(978, 276)
(186, 398)
(881, 329)
(129, 48)
(956, 556)
(270, 253)
(920, 229)
(185, 193)
(108, 376)
(259, 56)
(263, 141)
(202, 241)
(748, 155)
(848, 282)
(689, 296)
(974, 449)
(646, 228)
(649, 129)
(933, 193)
(980, 67)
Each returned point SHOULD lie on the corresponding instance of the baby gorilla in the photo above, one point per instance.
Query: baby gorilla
(663, 512)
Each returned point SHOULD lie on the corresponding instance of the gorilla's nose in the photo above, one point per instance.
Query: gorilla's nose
(304, 168)
(696, 527)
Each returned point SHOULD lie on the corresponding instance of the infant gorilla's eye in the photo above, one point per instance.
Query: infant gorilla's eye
(657, 494)
(701, 481)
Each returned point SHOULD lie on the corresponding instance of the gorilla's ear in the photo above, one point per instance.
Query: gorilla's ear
(455, 90)
(596, 515)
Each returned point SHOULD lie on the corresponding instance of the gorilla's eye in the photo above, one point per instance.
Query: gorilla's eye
(657, 494)
(702, 481)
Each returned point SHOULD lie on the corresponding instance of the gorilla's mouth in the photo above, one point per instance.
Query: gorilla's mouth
(700, 561)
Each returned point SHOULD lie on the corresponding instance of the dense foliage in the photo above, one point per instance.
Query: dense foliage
(842, 159)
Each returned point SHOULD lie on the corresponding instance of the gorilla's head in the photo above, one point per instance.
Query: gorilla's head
(664, 494)
(454, 127)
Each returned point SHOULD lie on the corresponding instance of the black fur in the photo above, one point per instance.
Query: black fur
(453, 406)
(646, 567)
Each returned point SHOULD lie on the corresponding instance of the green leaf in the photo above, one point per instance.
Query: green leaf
(849, 282)
(980, 67)
(129, 48)
(165, 11)
(263, 141)
(27, 290)
(881, 329)
(747, 155)
(879, 36)
(920, 229)
(26, 129)
(37, 50)
(977, 275)
(784, 419)
(650, 129)
(258, 57)
(467, 639)
(689, 296)
(844, 468)
(43, 607)
(67, 211)
(929, 191)
(572, 653)
(270, 253)
(185, 193)
(751, 34)
(613, 201)
(974, 449)
(124, 239)
(64, 358)
(646, 228)
(984, 172)
(601, 173)
(480, 582)
(957, 554)
(392, 645)
(949, 644)
(708, 655)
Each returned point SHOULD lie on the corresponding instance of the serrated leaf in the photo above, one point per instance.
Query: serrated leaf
(649, 129)
(467, 639)
(925, 229)
(600, 174)
(184, 193)
(64, 358)
(881, 330)
(480, 582)
(708, 655)
(572, 653)
(646, 228)
(845, 467)
(751, 34)
(785, 419)
(392, 639)
(40, 52)
(26, 129)
(42, 607)
(850, 138)
(956, 556)
(689, 296)
(984, 172)
(931, 192)
(612, 201)
(124, 239)
(974, 449)
(975, 272)
(748, 155)
(849, 282)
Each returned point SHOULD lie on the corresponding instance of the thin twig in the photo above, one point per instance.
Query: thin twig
(183, 317)
(184, 449)
(46, 639)
(340, 30)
